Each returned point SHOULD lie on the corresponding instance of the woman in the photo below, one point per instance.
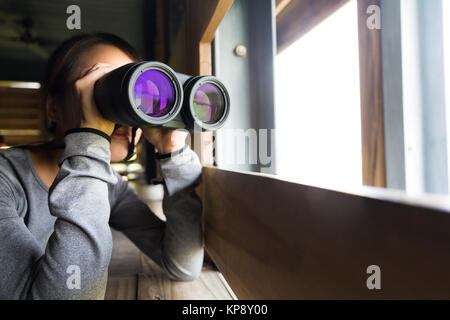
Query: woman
(58, 201)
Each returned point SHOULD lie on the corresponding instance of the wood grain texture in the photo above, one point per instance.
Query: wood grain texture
(160, 37)
(133, 276)
(125, 257)
(192, 51)
(153, 284)
(22, 116)
(121, 288)
(300, 16)
(372, 104)
(280, 5)
(273, 239)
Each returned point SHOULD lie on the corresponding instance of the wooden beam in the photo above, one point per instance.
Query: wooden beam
(22, 115)
(280, 5)
(154, 284)
(219, 10)
(372, 104)
(192, 51)
(300, 16)
(121, 288)
(273, 239)
(160, 37)
(134, 276)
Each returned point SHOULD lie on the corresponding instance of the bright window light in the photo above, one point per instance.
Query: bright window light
(317, 114)
(20, 84)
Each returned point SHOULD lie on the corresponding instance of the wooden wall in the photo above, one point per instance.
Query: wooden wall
(192, 53)
(273, 239)
(22, 119)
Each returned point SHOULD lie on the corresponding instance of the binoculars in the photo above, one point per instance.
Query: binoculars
(151, 94)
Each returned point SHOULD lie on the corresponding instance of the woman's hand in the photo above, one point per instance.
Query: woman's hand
(165, 140)
(84, 90)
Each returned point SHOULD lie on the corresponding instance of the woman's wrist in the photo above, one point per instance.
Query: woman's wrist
(161, 156)
(170, 148)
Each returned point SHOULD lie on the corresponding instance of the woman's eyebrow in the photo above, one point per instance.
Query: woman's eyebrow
(86, 70)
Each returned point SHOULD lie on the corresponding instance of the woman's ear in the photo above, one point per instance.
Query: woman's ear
(138, 137)
(50, 109)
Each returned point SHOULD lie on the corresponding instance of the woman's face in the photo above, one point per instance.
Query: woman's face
(109, 54)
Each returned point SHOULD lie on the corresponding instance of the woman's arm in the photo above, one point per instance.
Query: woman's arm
(175, 245)
(81, 243)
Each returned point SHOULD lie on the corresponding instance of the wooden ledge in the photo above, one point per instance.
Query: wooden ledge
(133, 276)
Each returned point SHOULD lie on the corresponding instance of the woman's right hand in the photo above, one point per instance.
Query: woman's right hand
(84, 90)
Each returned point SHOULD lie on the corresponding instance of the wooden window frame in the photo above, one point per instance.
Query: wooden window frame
(273, 239)
(192, 53)
(297, 17)
(372, 99)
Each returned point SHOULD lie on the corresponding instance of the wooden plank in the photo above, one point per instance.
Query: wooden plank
(21, 140)
(205, 68)
(372, 104)
(300, 16)
(12, 123)
(160, 42)
(121, 288)
(20, 96)
(280, 5)
(21, 126)
(18, 112)
(192, 51)
(21, 133)
(273, 239)
(132, 275)
(19, 91)
(21, 116)
(153, 284)
(20, 102)
(196, 33)
(125, 257)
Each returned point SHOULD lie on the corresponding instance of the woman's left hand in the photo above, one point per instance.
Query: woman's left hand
(165, 140)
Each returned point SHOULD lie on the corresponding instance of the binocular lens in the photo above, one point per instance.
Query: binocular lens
(209, 103)
(154, 93)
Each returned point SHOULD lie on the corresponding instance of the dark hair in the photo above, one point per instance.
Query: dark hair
(65, 59)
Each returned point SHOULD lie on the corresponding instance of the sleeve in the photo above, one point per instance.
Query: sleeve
(74, 264)
(177, 244)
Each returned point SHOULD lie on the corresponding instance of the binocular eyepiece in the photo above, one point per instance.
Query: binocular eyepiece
(151, 94)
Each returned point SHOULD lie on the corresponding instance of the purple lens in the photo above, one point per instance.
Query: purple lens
(209, 103)
(154, 93)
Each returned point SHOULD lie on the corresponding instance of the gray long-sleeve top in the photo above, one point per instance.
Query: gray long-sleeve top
(49, 236)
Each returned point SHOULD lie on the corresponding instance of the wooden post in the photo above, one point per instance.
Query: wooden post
(372, 103)
(192, 53)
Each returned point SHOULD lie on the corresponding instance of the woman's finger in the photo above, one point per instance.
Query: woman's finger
(93, 75)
